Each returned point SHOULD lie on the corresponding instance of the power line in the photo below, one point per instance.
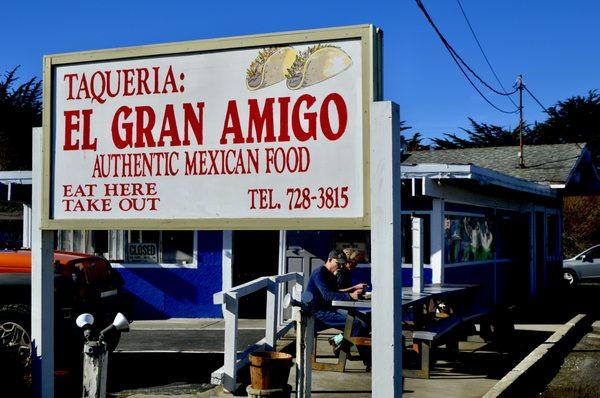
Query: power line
(453, 51)
(481, 49)
(536, 100)
(454, 56)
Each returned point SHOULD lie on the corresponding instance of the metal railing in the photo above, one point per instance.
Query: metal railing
(275, 327)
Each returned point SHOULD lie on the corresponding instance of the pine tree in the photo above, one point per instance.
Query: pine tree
(20, 111)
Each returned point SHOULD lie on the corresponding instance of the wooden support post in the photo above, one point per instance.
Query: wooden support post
(308, 352)
(283, 269)
(305, 331)
(437, 240)
(417, 255)
(271, 315)
(227, 262)
(300, 359)
(386, 268)
(27, 225)
(230, 344)
(42, 284)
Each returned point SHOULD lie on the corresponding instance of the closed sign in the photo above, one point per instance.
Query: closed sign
(142, 253)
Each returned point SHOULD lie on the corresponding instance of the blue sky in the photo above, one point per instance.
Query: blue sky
(553, 43)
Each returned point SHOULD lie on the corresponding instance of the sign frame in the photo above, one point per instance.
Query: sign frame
(371, 80)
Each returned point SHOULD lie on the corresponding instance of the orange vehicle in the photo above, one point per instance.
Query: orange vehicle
(82, 283)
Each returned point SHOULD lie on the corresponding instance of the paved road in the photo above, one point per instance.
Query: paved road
(193, 341)
(579, 375)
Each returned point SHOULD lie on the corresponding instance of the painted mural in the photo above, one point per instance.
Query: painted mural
(467, 238)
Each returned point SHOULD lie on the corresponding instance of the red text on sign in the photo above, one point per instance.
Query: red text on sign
(78, 121)
(262, 198)
(136, 127)
(306, 117)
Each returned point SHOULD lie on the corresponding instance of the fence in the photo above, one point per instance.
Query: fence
(276, 326)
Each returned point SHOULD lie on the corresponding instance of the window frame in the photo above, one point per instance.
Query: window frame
(117, 243)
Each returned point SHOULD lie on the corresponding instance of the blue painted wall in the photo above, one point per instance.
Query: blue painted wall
(407, 276)
(160, 293)
(477, 274)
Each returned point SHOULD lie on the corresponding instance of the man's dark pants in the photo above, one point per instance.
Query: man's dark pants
(325, 319)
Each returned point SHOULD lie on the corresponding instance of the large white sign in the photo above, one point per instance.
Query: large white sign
(274, 132)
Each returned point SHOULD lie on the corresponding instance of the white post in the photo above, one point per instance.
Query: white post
(27, 225)
(305, 334)
(42, 283)
(309, 339)
(300, 339)
(271, 315)
(417, 254)
(226, 263)
(385, 251)
(437, 241)
(283, 269)
(230, 344)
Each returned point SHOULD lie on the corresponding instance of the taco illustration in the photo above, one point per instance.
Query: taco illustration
(269, 67)
(316, 64)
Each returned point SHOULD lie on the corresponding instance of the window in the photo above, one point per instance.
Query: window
(172, 247)
(97, 243)
(71, 241)
(467, 238)
(64, 240)
(593, 253)
(511, 237)
(167, 247)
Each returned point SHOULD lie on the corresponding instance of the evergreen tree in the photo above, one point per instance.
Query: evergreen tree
(577, 119)
(20, 111)
(480, 135)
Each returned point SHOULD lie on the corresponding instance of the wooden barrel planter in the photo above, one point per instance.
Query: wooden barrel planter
(269, 369)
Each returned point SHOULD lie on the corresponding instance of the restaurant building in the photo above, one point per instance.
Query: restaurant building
(486, 221)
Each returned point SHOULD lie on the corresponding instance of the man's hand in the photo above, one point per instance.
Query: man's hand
(361, 286)
(355, 295)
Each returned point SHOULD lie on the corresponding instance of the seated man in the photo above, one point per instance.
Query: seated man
(323, 287)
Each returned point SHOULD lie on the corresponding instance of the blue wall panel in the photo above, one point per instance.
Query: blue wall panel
(177, 292)
(477, 274)
(407, 276)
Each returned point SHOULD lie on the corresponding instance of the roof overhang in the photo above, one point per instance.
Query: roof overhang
(479, 174)
(15, 186)
(583, 178)
(16, 177)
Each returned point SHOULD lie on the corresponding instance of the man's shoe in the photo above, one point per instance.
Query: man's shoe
(336, 348)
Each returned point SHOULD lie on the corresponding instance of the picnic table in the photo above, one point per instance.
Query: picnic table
(431, 325)
(410, 299)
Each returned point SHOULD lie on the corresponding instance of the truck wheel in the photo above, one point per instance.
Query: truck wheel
(15, 342)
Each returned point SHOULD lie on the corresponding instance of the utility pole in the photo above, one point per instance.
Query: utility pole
(520, 86)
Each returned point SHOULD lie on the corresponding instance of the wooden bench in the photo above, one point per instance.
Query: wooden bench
(442, 331)
(363, 344)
